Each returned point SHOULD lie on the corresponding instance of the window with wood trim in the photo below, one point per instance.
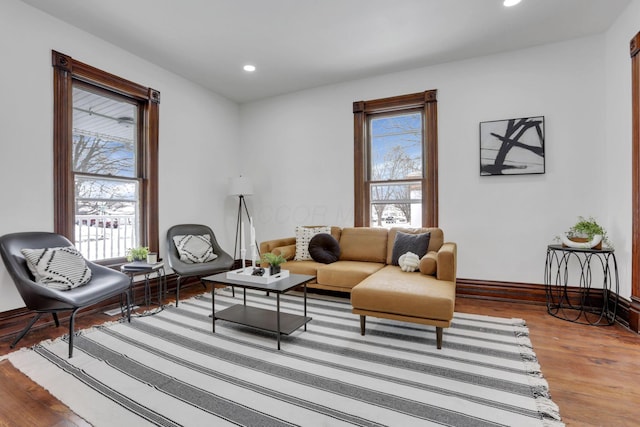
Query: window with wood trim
(396, 161)
(105, 161)
(634, 309)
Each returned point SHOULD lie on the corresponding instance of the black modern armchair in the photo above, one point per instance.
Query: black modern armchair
(104, 284)
(223, 261)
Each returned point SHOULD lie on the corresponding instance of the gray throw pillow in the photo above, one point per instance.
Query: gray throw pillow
(416, 243)
(61, 268)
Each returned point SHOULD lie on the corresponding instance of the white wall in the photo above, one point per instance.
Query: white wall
(502, 224)
(198, 131)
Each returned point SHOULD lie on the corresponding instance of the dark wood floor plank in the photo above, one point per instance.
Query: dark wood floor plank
(26, 404)
(593, 372)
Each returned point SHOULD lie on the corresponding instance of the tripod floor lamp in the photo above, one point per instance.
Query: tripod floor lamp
(241, 186)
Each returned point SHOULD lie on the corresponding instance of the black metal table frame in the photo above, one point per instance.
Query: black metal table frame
(162, 283)
(257, 317)
(556, 279)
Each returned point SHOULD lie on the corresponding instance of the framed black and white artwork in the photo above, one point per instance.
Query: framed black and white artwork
(512, 147)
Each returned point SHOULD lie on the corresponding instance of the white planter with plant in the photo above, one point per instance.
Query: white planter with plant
(585, 234)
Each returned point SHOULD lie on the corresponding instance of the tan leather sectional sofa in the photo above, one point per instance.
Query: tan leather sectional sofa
(378, 288)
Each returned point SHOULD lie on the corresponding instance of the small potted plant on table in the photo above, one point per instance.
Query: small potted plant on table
(586, 233)
(137, 254)
(274, 262)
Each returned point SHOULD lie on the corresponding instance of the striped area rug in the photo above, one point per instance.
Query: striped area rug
(170, 370)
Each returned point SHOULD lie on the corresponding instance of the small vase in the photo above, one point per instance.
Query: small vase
(274, 269)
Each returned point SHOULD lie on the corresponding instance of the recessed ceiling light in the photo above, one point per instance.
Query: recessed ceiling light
(509, 3)
(249, 68)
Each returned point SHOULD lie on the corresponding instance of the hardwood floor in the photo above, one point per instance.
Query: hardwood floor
(593, 372)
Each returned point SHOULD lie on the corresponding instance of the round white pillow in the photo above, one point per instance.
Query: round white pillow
(409, 262)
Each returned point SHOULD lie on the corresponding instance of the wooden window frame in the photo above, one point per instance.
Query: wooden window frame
(427, 102)
(66, 70)
(634, 309)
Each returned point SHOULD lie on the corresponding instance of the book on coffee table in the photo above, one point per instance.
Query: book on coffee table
(141, 266)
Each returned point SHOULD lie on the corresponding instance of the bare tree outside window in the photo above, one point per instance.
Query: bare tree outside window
(102, 155)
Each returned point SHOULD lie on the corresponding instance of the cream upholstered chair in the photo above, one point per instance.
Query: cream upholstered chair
(184, 270)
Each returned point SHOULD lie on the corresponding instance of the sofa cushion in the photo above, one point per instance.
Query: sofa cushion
(346, 274)
(429, 264)
(302, 267)
(324, 248)
(304, 234)
(391, 290)
(363, 244)
(435, 240)
(405, 242)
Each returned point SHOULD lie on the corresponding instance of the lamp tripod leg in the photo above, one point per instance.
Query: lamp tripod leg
(238, 220)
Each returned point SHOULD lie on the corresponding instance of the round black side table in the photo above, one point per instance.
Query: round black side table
(142, 268)
(573, 298)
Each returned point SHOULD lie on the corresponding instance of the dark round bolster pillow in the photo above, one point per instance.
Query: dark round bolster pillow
(324, 248)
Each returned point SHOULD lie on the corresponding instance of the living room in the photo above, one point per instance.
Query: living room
(502, 225)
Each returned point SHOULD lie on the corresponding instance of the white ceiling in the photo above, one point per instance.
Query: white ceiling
(298, 44)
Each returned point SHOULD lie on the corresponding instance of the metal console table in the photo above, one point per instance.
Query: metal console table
(577, 301)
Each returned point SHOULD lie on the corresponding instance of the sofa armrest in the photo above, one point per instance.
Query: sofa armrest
(447, 265)
(270, 245)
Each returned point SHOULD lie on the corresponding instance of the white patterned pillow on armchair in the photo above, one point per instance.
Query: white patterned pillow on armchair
(194, 249)
(61, 268)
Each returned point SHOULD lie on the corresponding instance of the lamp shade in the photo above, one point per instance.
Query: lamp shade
(240, 185)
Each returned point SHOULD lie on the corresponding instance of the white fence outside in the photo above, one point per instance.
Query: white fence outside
(105, 236)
